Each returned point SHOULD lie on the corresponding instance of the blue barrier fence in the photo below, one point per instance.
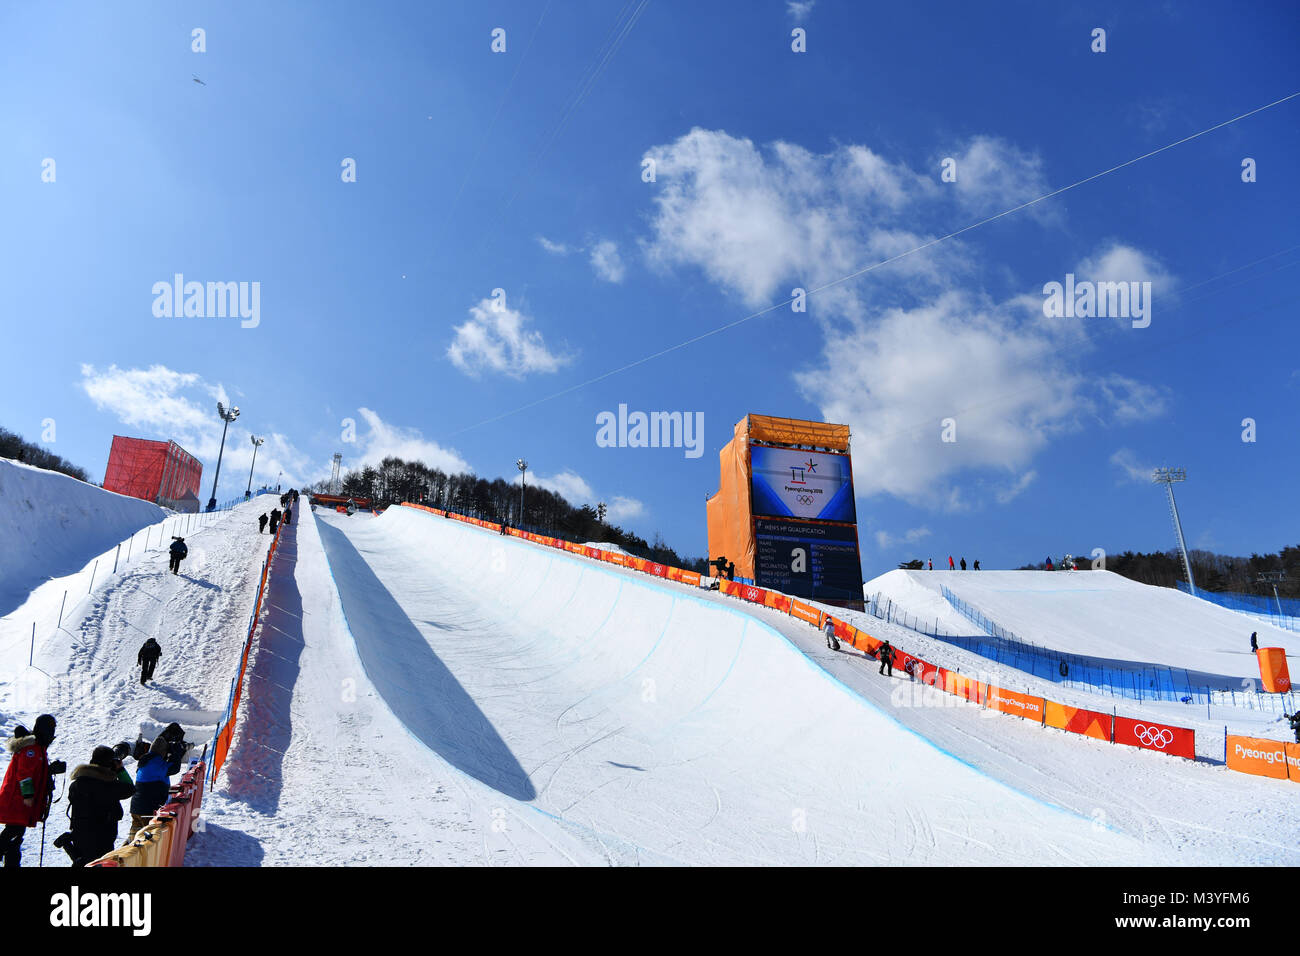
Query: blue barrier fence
(1283, 612)
(1131, 680)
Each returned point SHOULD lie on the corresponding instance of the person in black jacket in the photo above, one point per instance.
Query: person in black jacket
(150, 651)
(177, 747)
(95, 805)
(275, 519)
(1254, 641)
(261, 523)
(178, 552)
(1294, 721)
(288, 515)
(886, 657)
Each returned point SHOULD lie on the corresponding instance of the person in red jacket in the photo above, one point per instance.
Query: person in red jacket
(951, 566)
(28, 786)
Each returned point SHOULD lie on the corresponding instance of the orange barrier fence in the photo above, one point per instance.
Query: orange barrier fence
(1273, 671)
(1145, 734)
(1263, 758)
(162, 841)
(225, 734)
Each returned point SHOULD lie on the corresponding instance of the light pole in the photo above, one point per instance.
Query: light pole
(257, 443)
(523, 474)
(227, 417)
(1167, 477)
(1274, 578)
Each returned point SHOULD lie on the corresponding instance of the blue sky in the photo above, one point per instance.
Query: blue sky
(774, 170)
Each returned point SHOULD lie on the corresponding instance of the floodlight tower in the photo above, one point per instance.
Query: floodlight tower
(523, 474)
(1167, 477)
(257, 443)
(1274, 578)
(334, 478)
(227, 417)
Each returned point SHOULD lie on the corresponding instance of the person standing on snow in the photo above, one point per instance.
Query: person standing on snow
(150, 651)
(1049, 563)
(261, 524)
(963, 564)
(28, 785)
(152, 783)
(275, 519)
(95, 798)
(977, 564)
(288, 515)
(951, 566)
(931, 563)
(178, 552)
(829, 628)
(886, 657)
(1294, 721)
(1254, 642)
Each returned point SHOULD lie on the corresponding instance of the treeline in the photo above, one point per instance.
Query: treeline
(13, 445)
(395, 481)
(1213, 572)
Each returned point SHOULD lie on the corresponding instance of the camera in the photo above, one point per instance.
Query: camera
(122, 751)
(58, 766)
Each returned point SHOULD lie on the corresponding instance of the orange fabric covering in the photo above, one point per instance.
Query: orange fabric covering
(731, 525)
(794, 431)
(1273, 670)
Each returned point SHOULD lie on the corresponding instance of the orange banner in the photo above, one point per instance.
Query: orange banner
(776, 599)
(962, 686)
(807, 613)
(1010, 702)
(1089, 723)
(1263, 758)
(1293, 761)
(1273, 670)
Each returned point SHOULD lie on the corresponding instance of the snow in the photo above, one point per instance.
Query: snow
(422, 692)
(1102, 614)
(54, 525)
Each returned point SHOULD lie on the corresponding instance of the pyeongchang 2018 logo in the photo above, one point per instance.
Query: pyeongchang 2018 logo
(1157, 737)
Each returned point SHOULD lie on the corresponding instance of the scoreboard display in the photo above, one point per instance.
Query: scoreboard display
(808, 560)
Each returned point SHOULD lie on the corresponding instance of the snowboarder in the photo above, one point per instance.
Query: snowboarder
(1254, 641)
(178, 552)
(95, 798)
(152, 783)
(275, 519)
(951, 566)
(150, 651)
(288, 515)
(261, 523)
(1294, 721)
(831, 640)
(977, 564)
(963, 564)
(28, 785)
(352, 507)
(886, 657)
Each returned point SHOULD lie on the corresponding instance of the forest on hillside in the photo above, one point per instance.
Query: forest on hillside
(545, 512)
(1211, 571)
(13, 445)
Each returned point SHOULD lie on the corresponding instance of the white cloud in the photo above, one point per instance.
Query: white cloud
(799, 8)
(382, 440)
(1013, 491)
(1133, 469)
(910, 343)
(607, 262)
(577, 491)
(162, 404)
(555, 248)
(886, 541)
(496, 339)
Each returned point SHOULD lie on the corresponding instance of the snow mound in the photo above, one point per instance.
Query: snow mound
(52, 525)
(1103, 615)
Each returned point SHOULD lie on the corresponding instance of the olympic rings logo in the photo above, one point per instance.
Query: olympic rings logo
(804, 499)
(1160, 738)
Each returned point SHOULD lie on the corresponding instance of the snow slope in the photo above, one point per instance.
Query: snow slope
(53, 525)
(1103, 615)
(659, 722)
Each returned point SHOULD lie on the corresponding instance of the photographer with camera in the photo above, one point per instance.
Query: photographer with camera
(28, 785)
(95, 798)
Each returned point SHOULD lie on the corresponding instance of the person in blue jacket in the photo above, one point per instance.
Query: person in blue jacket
(152, 782)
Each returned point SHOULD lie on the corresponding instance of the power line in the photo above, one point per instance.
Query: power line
(884, 262)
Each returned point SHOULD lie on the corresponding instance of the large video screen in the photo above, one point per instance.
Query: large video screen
(818, 561)
(789, 483)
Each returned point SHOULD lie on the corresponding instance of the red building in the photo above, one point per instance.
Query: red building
(159, 471)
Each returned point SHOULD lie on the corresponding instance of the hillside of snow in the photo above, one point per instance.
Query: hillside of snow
(1096, 614)
(52, 525)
